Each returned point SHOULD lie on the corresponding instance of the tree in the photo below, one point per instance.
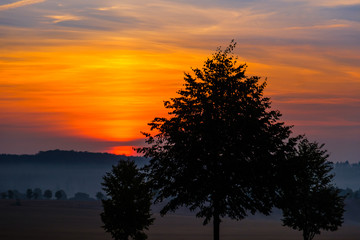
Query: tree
(48, 194)
(37, 193)
(100, 196)
(60, 195)
(309, 200)
(218, 151)
(29, 194)
(80, 196)
(127, 208)
(10, 194)
(3, 195)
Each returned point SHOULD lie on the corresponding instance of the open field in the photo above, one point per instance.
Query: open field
(70, 220)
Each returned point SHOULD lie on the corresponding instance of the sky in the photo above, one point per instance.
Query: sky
(89, 75)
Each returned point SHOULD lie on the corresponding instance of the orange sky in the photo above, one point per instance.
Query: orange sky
(90, 75)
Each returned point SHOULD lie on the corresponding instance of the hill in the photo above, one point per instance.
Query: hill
(61, 157)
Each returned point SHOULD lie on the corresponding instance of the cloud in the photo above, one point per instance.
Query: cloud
(320, 27)
(19, 4)
(107, 8)
(62, 18)
(334, 3)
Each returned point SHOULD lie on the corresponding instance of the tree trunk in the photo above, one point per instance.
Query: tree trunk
(305, 234)
(216, 227)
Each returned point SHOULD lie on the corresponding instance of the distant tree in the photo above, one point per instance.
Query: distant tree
(10, 194)
(29, 193)
(18, 195)
(81, 197)
(100, 196)
(219, 149)
(347, 193)
(60, 195)
(37, 193)
(357, 194)
(48, 194)
(127, 208)
(3, 195)
(310, 202)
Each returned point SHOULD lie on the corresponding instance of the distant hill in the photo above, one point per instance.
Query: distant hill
(60, 157)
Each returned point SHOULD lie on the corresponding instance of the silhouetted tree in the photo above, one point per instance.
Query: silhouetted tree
(357, 194)
(82, 197)
(48, 194)
(37, 193)
(127, 209)
(3, 195)
(218, 151)
(309, 201)
(100, 196)
(347, 193)
(60, 195)
(29, 193)
(10, 194)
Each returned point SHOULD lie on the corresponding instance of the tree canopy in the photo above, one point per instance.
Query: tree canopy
(48, 194)
(127, 207)
(310, 202)
(219, 149)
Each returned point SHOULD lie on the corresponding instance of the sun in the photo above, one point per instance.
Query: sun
(123, 150)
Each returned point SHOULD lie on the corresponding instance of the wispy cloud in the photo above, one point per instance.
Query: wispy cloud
(107, 8)
(19, 4)
(320, 27)
(334, 3)
(63, 18)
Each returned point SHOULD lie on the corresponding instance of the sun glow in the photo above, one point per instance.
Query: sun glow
(123, 150)
(95, 91)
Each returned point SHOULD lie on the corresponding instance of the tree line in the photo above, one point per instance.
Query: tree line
(350, 194)
(38, 194)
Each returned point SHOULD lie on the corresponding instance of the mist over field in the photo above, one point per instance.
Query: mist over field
(67, 170)
(83, 171)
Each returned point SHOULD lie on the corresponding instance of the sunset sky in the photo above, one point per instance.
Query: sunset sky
(89, 75)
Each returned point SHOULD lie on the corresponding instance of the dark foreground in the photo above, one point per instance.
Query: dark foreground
(70, 220)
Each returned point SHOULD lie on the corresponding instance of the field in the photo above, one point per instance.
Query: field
(70, 220)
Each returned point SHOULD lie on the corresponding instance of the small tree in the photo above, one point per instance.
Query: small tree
(3, 195)
(29, 194)
(10, 194)
(48, 194)
(127, 209)
(60, 195)
(37, 193)
(100, 196)
(309, 201)
(80, 196)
